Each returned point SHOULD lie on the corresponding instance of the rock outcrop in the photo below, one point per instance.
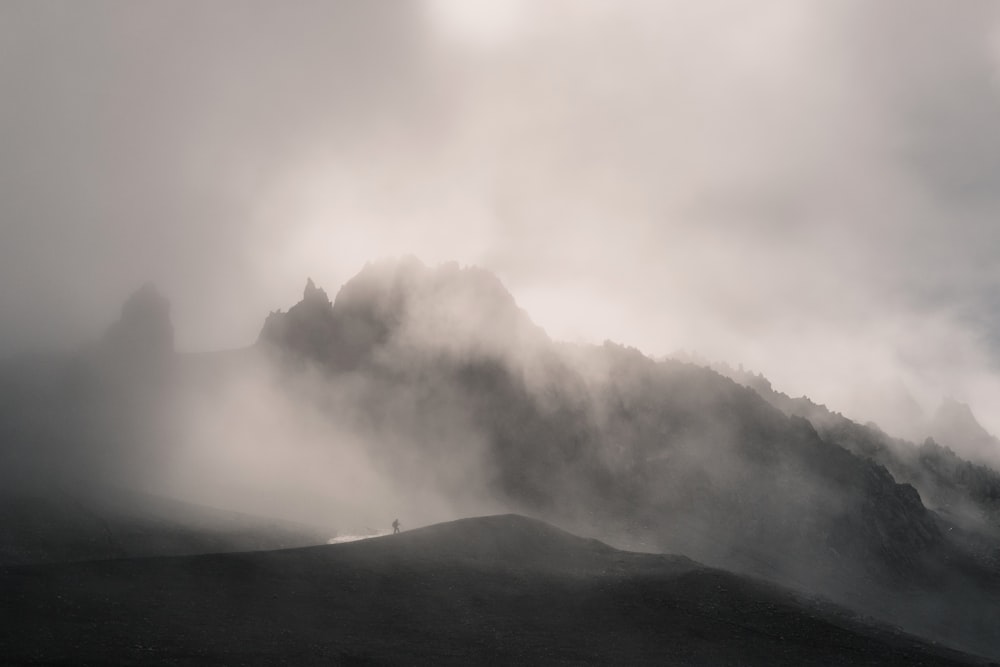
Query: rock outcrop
(144, 329)
(403, 305)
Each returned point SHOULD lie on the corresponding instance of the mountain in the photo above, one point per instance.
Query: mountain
(604, 431)
(84, 437)
(63, 527)
(144, 330)
(965, 491)
(657, 455)
(495, 589)
(402, 303)
(954, 425)
(427, 393)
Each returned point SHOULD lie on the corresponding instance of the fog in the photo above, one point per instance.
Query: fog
(301, 449)
(806, 188)
(800, 188)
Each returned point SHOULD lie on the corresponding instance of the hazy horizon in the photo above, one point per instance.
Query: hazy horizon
(803, 187)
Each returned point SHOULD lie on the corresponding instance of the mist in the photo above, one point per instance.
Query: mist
(690, 277)
(299, 448)
(801, 187)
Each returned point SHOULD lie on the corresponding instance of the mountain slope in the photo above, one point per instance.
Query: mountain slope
(52, 528)
(421, 390)
(965, 492)
(661, 456)
(495, 589)
(954, 425)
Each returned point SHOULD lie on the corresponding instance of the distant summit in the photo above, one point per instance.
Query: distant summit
(144, 330)
(954, 425)
(403, 304)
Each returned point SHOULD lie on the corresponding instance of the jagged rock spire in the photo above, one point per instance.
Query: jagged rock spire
(313, 294)
(307, 328)
(144, 327)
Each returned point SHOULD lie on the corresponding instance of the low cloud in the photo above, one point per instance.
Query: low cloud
(801, 187)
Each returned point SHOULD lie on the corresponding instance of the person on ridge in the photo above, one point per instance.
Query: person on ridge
(395, 526)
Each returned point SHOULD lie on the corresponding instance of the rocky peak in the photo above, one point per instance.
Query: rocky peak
(955, 426)
(403, 301)
(447, 307)
(313, 294)
(144, 328)
(955, 411)
(308, 328)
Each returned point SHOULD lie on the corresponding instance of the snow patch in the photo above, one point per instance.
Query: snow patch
(340, 539)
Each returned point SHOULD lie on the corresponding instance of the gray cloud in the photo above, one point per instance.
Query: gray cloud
(805, 187)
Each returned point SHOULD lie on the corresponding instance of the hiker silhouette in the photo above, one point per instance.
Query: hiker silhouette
(395, 526)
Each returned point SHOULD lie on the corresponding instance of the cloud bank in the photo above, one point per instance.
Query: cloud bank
(804, 187)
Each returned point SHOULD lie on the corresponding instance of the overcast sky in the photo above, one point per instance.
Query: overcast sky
(809, 188)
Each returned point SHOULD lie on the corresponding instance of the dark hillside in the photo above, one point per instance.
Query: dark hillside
(498, 589)
(52, 528)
